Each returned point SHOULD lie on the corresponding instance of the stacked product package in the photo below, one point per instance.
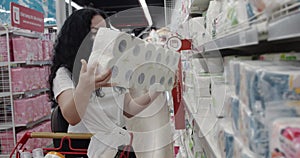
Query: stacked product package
(263, 92)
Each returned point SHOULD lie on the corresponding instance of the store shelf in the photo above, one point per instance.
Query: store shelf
(9, 125)
(239, 39)
(288, 26)
(280, 34)
(187, 148)
(3, 32)
(29, 63)
(22, 33)
(4, 94)
(6, 125)
(31, 92)
(34, 123)
(206, 137)
(26, 34)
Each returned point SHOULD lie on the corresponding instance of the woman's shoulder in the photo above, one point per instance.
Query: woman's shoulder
(63, 71)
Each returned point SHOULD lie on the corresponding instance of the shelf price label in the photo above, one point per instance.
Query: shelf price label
(26, 18)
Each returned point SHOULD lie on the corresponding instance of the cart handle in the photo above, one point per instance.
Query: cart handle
(61, 135)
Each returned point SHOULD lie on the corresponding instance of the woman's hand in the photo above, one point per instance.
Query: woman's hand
(90, 80)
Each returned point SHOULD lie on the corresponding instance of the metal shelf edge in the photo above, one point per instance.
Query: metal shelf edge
(286, 31)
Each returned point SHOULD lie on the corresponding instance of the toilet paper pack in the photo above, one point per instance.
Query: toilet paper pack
(134, 63)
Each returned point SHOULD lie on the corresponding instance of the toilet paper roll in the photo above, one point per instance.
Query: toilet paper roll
(136, 55)
(170, 76)
(151, 77)
(149, 52)
(103, 60)
(137, 40)
(139, 78)
(168, 58)
(125, 67)
(159, 74)
(174, 60)
(108, 46)
(112, 43)
(160, 54)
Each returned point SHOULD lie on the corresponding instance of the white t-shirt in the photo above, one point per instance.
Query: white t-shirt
(103, 117)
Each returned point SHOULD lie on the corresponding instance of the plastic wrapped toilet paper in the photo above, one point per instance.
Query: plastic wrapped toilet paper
(160, 54)
(196, 26)
(108, 46)
(170, 75)
(125, 66)
(150, 52)
(113, 42)
(174, 60)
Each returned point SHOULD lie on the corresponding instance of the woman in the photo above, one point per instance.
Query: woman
(84, 109)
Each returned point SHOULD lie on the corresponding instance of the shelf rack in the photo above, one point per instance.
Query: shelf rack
(8, 126)
(205, 138)
(260, 37)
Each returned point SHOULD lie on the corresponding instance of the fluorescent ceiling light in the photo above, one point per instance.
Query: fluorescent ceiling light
(4, 11)
(75, 5)
(49, 19)
(146, 12)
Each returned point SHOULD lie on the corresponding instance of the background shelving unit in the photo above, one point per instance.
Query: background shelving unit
(10, 129)
(261, 36)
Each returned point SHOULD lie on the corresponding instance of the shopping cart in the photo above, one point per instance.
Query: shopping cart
(63, 136)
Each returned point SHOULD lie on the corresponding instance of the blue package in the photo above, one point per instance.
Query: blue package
(235, 106)
(229, 146)
(275, 86)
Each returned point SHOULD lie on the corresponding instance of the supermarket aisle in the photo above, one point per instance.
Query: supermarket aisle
(241, 83)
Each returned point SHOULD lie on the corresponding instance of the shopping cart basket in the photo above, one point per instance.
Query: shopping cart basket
(63, 136)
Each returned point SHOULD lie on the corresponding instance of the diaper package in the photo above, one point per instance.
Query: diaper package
(284, 138)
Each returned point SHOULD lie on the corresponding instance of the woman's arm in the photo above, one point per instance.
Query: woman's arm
(133, 106)
(73, 102)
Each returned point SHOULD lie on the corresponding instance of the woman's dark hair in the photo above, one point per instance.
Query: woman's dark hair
(72, 34)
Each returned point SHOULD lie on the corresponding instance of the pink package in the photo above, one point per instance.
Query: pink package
(47, 108)
(19, 48)
(40, 106)
(27, 78)
(40, 50)
(20, 111)
(31, 47)
(7, 142)
(44, 102)
(30, 109)
(43, 77)
(50, 53)
(3, 49)
(30, 78)
(46, 50)
(285, 138)
(35, 109)
(17, 78)
(36, 77)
